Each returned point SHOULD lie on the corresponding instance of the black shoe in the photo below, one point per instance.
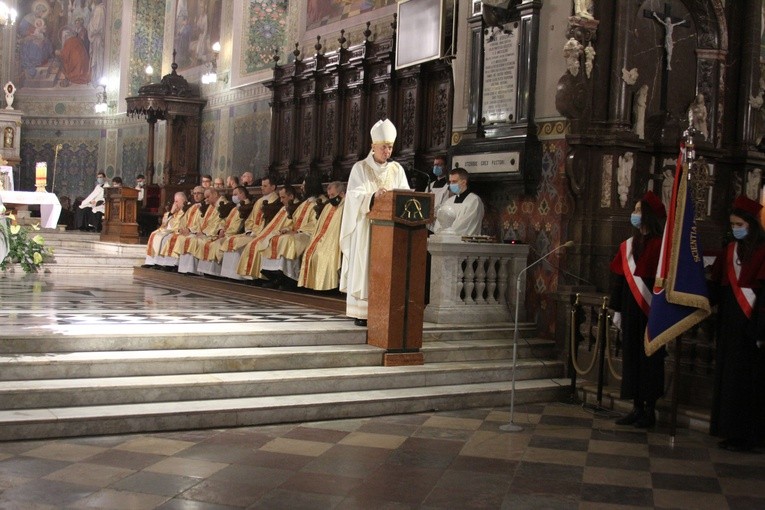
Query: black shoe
(647, 421)
(360, 322)
(632, 418)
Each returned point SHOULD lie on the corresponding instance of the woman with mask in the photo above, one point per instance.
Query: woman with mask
(738, 275)
(634, 267)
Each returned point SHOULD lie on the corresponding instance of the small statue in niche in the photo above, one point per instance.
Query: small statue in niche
(630, 77)
(697, 115)
(589, 59)
(582, 8)
(753, 180)
(571, 51)
(638, 108)
(624, 176)
(666, 186)
(10, 89)
(8, 135)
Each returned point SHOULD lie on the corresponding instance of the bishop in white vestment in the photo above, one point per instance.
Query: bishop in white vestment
(372, 177)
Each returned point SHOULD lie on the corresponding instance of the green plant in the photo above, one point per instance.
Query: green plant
(23, 248)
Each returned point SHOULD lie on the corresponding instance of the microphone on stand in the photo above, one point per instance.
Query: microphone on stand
(512, 427)
(427, 177)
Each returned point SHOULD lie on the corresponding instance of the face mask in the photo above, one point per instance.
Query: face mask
(740, 232)
(140, 184)
(100, 181)
(438, 170)
(636, 220)
(335, 201)
(235, 199)
(454, 188)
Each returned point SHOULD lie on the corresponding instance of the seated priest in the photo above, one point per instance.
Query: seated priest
(171, 224)
(262, 211)
(208, 227)
(249, 263)
(280, 262)
(321, 260)
(468, 207)
(91, 211)
(238, 209)
(189, 224)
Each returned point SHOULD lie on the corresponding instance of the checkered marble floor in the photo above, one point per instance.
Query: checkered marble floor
(40, 300)
(565, 457)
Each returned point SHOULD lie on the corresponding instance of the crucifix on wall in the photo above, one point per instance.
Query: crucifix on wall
(669, 24)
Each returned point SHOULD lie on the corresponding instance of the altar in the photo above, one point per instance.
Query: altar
(50, 207)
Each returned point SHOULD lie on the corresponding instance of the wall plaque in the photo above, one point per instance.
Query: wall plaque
(489, 162)
(500, 74)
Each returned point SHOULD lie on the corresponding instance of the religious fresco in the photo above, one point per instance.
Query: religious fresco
(324, 12)
(61, 43)
(197, 28)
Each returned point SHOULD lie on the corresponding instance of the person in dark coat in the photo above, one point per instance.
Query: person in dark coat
(634, 267)
(738, 277)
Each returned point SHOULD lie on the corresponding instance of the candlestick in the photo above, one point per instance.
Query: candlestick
(41, 176)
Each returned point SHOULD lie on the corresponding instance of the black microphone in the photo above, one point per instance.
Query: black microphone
(427, 177)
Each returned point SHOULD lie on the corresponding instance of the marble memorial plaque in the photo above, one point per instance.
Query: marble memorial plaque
(500, 75)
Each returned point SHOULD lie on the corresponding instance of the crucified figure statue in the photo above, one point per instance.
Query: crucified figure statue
(668, 42)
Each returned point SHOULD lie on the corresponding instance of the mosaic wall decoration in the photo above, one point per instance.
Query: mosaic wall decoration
(542, 223)
(134, 151)
(61, 44)
(251, 137)
(75, 168)
(207, 142)
(264, 29)
(147, 43)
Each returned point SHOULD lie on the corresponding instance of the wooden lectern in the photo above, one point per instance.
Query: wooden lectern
(119, 224)
(399, 245)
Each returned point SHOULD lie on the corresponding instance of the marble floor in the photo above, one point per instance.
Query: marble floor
(565, 457)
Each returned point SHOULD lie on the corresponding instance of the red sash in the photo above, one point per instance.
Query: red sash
(315, 242)
(263, 235)
(638, 288)
(744, 295)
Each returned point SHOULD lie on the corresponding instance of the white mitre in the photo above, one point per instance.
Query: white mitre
(383, 132)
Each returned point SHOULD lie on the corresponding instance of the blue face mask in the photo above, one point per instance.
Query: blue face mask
(235, 199)
(740, 232)
(100, 180)
(454, 188)
(438, 170)
(636, 220)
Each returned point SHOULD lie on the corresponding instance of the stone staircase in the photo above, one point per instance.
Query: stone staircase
(77, 252)
(55, 386)
(161, 377)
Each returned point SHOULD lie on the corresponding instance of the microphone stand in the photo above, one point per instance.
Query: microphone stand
(512, 427)
(427, 177)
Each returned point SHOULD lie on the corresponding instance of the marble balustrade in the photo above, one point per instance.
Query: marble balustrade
(475, 282)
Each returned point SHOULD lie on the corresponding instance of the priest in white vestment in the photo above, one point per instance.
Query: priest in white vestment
(370, 178)
(467, 205)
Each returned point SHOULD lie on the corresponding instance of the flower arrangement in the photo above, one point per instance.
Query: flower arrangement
(26, 250)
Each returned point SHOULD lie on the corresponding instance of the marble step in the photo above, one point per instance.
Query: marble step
(237, 412)
(31, 366)
(170, 388)
(145, 337)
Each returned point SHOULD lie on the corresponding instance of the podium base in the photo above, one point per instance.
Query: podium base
(400, 359)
